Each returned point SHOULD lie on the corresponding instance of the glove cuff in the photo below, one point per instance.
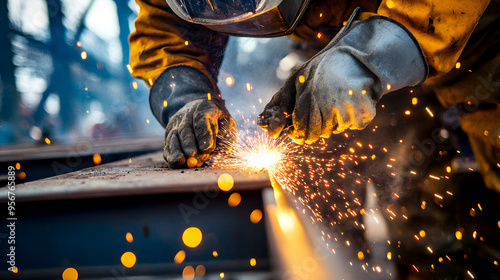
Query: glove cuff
(385, 48)
(177, 86)
(394, 46)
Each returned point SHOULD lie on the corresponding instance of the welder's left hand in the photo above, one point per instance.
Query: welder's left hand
(188, 105)
(338, 88)
(192, 132)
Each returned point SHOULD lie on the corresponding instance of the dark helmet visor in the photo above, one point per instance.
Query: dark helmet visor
(262, 18)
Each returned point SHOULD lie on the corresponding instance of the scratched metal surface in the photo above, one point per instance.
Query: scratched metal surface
(147, 174)
(22, 152)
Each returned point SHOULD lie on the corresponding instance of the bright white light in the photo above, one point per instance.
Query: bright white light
(102, 19)
(35, 133)
(286, 220)
(30, 16)
(52, 104)
(263, 159)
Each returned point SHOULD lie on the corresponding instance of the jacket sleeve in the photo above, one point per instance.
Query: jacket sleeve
(162, 40)
(441, 27)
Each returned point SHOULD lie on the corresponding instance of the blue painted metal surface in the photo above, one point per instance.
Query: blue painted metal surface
(89, 235)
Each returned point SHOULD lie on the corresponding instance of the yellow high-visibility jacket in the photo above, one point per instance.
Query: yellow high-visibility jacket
(441, 27)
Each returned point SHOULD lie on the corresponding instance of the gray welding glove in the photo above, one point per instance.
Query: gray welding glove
(193, 114)
(338, 88)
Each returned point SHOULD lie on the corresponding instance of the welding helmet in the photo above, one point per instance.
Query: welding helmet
(258, 18)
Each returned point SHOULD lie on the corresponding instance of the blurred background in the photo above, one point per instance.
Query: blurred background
(64, 74)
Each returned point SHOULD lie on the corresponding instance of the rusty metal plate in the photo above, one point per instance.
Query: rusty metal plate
(147, 174)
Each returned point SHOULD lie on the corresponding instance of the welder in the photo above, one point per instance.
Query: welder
(367, 48)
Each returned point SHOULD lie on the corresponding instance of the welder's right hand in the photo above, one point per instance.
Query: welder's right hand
(192, 132)
(186, 102)
(338, 88)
